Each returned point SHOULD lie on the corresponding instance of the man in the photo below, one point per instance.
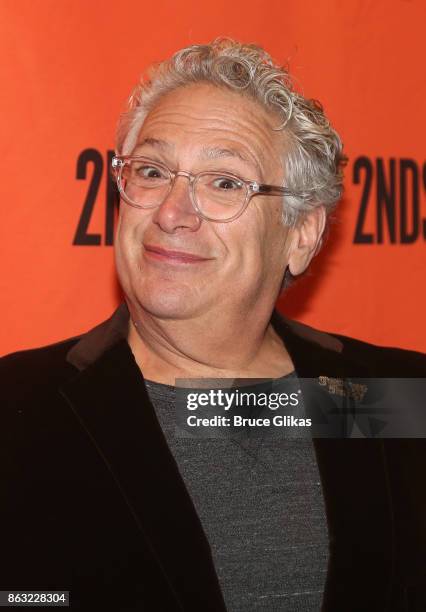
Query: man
(227, 177)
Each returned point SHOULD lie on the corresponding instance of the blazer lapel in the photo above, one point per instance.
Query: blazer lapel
(315, 353)
(110, 400)
(355, 485)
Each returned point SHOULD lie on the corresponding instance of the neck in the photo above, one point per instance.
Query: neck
(239, 346)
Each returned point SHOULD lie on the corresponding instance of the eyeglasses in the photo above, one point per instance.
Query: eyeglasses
(215, 196)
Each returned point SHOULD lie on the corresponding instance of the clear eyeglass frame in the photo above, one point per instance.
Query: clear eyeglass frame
(252, 188)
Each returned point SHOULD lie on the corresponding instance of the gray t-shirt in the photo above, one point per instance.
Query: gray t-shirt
(262, 510)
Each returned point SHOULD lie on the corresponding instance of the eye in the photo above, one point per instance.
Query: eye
(149, 172)
(226, 183)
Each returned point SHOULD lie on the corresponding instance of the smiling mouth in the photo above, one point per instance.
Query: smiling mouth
(170, 256)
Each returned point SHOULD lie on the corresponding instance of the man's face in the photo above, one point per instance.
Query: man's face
(172, 263)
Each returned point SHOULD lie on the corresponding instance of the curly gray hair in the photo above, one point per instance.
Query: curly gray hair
(313, 158)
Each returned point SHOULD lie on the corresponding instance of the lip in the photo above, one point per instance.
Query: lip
(172, 256)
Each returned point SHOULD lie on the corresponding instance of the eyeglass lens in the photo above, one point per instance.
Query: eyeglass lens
(218, 196)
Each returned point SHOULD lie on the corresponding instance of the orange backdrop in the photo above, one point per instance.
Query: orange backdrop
(67, 68)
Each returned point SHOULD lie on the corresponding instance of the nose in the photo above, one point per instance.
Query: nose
(177, 213)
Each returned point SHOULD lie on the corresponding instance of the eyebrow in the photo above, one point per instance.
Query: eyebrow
(206, 152)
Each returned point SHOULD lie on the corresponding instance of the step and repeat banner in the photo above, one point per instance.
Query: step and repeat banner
(67, 68)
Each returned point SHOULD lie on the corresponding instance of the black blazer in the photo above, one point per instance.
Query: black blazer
(92, 500)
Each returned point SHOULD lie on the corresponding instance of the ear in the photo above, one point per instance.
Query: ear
(307, 239)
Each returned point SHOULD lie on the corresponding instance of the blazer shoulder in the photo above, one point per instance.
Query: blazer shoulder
(381, 361)
(33, 366)
(385, 361)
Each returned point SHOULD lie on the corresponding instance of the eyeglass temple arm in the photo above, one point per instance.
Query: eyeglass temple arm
(272, 190)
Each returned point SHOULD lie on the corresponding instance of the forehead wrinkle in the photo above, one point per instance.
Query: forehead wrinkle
(219, 153)
(156, 143)
(257, 144)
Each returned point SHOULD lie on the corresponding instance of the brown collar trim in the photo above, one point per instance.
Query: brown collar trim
(316, 336)
(96, 341)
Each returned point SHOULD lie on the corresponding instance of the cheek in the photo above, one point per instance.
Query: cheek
(243, 244)
(130, 228)
(265, 237)
(127, 242)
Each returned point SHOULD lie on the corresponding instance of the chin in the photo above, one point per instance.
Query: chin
(168, 301)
